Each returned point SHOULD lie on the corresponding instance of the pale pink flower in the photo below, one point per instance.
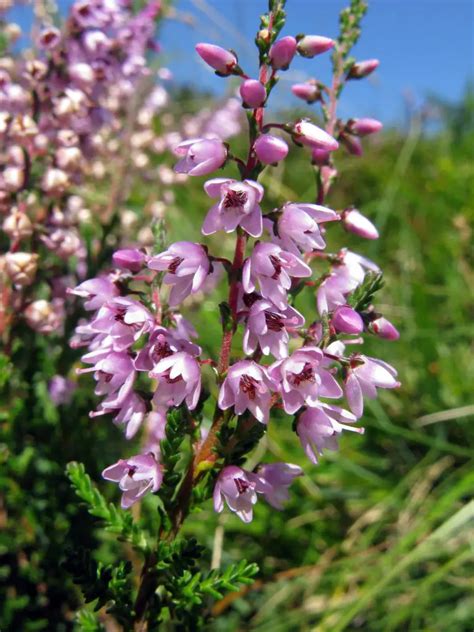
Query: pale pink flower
(136, 477)
(298, 226)
(201, 156)
(247, 386)
(319, 427)
(363, 378)
(179, 379)
(239, 489)
(186, 265)
(238, 206)
(303, 379)
(272, 268)
(279, 477)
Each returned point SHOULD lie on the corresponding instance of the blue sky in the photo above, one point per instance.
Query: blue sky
(425, 47)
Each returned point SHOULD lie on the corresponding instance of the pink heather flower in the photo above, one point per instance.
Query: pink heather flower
(179, 379)
(49, 38)
(320, 157)
(161, 344)
(114, 373)
(364, 126)
(136, 476)
(129, 259)
(279, 477)
(362, 69)
(313, 136)
(302, 379)
(97, 292)
(239, 489)
(201, 156)
(383, 328)
(61, 389)
(312, 45)
(187, 266)
(271, 268)
(253, 93)
(282, 52)
(238, 206)
(308, 91)
(270, 149)
(266, 327)
(352, 143)
(222, 60)
(124, 320)
(247, 386)
(298, 226)
(345, 277)
(129, 412)
(364, 376)
(347, 320)
(354, 222)
(318, 428)
(155, 430)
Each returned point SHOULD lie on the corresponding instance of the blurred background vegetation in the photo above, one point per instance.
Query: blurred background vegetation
(377, 537)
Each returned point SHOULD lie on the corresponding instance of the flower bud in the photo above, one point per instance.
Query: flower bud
(311, 135)
(43, 316)
(351, 143)
(347, 320)
(364, 126)
(312, 45)
(68, 157)
(200, 157)
(13, 178)
(17, 225)
(82, 73)
(270, 149)
(222, 60)
(362, 69)
(282, 52)
(320, 157)
(253, 93)
(129, 258)
(308, 91)
(21, 267)
(54, 181)
(354, 222)
(384, 329)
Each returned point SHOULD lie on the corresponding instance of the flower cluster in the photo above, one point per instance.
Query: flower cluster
(303, 365)
(56, 107)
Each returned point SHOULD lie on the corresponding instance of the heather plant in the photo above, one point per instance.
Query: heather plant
(203, 465)
(194, 420)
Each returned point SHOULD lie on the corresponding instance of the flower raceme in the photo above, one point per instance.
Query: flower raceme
(290, 361)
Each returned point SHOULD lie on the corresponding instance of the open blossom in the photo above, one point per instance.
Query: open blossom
(129, 411)
(239, 489)
(272, 268)
(267, 326)
(318, 428)
(238, 206)
(186, 265)
(96, 292)
(303, 379)
(364, 376)
(161, 344)
(136, 477)
(124, 320)
(278, 477)
(179, 379)
(298, 226)
(201, 156)
(247, 387)
(114, 373)
(344, 278)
